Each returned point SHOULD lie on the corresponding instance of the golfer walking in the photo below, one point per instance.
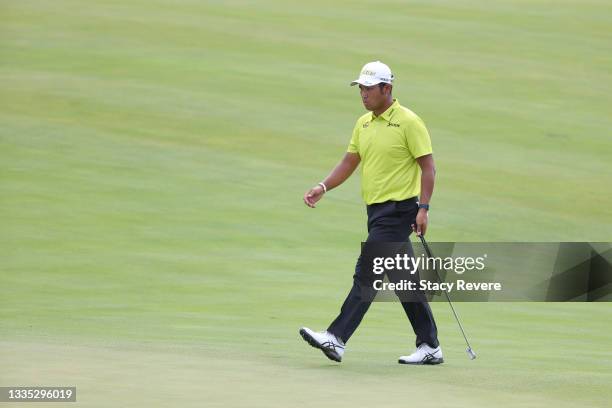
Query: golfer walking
(397, 180)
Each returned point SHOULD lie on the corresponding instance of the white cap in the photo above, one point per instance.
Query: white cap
(374, 73)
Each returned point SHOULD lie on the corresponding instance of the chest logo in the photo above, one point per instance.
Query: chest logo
(365, 125)
(393, 124)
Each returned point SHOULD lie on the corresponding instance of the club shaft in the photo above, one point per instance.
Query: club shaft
(429, 254)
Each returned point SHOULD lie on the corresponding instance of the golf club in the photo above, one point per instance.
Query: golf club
(469, 350)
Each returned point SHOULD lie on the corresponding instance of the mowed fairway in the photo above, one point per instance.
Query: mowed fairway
(155, 251)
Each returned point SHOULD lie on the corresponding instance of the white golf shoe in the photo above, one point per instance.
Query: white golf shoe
(329, 344)
(423, 355)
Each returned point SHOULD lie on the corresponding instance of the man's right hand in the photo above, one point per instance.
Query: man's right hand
(313, 195)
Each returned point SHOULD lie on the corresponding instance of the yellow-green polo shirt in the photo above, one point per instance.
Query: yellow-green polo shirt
(388, 145)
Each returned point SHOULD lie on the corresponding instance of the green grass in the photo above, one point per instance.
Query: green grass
(153, 155)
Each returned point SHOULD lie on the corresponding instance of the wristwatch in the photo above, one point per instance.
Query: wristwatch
(425, 206)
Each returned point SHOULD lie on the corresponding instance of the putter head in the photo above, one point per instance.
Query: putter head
(470, 353)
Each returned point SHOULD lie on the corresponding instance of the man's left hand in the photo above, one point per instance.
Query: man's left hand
(421, 222)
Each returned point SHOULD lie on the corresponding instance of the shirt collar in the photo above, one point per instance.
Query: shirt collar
(386, 115)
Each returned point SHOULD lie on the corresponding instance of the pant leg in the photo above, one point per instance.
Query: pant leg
(353, 309)
(422, 321)
(419, 313)
(380, 218)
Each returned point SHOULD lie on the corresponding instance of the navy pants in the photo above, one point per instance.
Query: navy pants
(387, 222)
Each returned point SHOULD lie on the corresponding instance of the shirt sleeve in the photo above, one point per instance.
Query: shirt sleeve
(353, 146)
(417, 139)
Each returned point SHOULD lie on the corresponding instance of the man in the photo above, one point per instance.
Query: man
(397, 168)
